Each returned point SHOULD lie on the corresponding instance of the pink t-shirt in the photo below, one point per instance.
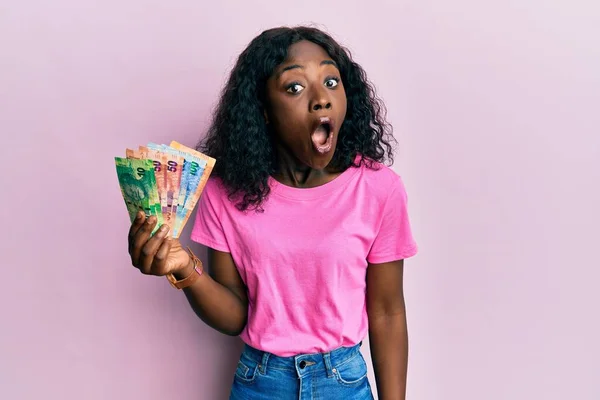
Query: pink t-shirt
(305, 258)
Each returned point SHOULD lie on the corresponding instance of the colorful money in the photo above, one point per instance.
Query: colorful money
(158, 161)
(196, 182)
(163, 180)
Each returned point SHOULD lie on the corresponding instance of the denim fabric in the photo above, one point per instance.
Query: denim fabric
(340, 374)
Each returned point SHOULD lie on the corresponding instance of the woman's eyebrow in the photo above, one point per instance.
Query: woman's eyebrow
(329, 62)
(289, 67)
(296, 66)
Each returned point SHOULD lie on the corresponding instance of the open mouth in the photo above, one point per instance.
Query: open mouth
(322, 136)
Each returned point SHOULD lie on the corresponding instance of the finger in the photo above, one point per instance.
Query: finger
(159, 266)
(135, 226)
(151, 248)
(140, 239)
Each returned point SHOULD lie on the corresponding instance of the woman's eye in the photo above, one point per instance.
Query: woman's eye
(331, 83)
(295, 88)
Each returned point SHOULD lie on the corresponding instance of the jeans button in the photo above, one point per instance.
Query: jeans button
(302, 364)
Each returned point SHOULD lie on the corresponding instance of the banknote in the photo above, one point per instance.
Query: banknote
(163, 180)
(203, 178)
(136, 179)
(155, 199)
(174, 168)
(130, 153)
(158, 160)
(194, 170)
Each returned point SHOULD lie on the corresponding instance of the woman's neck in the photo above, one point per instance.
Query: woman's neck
(292, 172)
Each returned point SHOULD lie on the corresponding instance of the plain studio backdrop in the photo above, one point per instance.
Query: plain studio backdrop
(496, 105)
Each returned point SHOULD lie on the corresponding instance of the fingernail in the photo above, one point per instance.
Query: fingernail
(164, 228)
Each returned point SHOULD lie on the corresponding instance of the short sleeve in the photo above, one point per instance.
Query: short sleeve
(208, 226)
(394, 239)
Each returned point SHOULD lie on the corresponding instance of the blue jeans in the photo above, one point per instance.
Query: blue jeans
(339, 374)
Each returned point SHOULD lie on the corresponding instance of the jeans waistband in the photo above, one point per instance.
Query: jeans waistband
(300, 362)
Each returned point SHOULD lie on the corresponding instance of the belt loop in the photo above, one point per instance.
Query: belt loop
(328, 367)
(263, 364)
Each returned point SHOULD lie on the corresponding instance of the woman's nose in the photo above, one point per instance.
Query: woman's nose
(320, 103)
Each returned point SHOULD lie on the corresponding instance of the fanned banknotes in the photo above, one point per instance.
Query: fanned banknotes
(163, 180)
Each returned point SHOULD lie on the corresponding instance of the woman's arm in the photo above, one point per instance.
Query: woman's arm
(219, 299)
(387, 328)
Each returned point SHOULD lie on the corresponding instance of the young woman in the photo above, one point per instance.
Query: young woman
(306, 227)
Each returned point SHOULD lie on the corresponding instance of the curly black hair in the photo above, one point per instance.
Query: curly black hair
(238, 136)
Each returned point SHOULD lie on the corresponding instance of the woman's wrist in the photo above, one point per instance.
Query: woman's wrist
(185, 271)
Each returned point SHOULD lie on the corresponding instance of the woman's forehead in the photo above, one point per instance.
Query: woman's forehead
(307, 51)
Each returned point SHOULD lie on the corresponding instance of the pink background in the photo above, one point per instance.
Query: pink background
(497, 107)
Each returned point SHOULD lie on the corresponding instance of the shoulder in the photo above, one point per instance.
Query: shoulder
(381, 179)
(214, 193)
(218, 195)
(214, 187)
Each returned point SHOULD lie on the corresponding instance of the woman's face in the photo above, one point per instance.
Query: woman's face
(306, 105)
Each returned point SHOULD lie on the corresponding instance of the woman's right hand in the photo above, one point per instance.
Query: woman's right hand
(158, 254)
